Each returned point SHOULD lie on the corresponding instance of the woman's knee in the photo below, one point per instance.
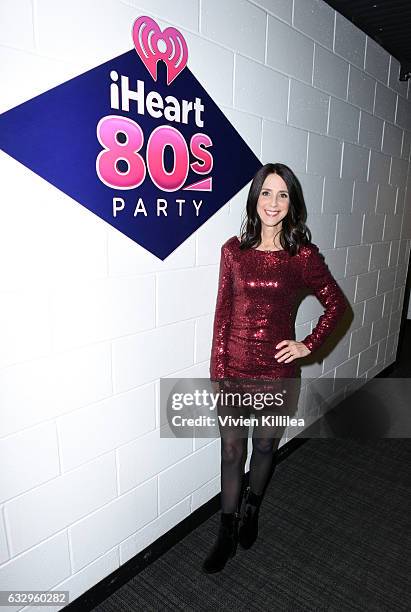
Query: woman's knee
(263, 445)
(232, 450)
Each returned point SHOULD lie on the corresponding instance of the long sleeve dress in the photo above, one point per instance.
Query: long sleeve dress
(256, 299)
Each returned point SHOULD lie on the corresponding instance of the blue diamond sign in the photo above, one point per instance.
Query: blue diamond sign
(137, 141)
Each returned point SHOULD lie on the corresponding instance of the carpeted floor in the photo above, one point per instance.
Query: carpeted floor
(335, 535)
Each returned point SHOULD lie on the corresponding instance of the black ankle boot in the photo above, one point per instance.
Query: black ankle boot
(250, 509)
(225, 545)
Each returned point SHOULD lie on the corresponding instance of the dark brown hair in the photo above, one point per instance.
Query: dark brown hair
(295, 232)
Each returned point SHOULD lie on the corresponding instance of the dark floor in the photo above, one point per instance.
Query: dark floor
(335, 535)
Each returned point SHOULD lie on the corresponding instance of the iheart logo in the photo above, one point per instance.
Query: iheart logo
(153, 161)
(153, 45)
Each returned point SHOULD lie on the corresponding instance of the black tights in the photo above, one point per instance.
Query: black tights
(234, 441)
(233, 458)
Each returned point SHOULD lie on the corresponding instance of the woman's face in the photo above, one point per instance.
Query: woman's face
(273, 202)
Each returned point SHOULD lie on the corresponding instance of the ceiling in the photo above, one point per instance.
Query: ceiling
(388, 22)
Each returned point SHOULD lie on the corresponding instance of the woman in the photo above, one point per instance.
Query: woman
(262, 273)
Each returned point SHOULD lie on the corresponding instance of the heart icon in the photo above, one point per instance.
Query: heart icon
(153, 45)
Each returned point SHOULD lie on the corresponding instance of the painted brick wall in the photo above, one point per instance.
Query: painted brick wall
(90, 321)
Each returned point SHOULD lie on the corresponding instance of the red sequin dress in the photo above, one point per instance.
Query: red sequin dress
(255, 309)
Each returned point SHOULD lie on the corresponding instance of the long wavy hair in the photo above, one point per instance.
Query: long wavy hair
(295, 232)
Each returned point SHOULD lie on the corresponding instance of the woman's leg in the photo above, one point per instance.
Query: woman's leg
(234, 441)
(266, 439)
(261, 463)
(267, 435)
(233, 458)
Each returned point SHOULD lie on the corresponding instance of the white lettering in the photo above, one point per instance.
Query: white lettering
(140, 208)
(161, 207)
(154, 99)
(118, 204)
(135, 100)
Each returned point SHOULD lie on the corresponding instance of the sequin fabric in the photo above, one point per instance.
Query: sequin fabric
(256, 306)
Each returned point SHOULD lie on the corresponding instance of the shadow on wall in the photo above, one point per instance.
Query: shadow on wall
(380, 409)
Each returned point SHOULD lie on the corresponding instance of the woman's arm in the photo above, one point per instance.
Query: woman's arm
(319, 279)
(222, 318)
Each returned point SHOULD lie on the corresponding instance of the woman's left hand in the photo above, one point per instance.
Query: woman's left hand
(291, 349)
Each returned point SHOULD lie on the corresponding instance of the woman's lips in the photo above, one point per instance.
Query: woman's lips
(271, 213)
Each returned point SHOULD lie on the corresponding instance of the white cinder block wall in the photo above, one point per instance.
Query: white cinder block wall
(90, 321)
